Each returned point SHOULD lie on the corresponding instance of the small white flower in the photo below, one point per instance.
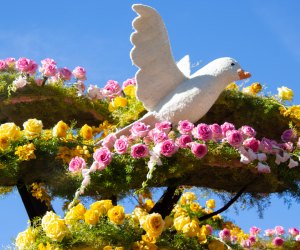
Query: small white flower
(263, 168)
(94, 93)
(244, 159)
(19, 83)
(261, 157)
(293, 163)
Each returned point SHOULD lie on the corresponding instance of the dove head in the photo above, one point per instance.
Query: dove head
(226, 68)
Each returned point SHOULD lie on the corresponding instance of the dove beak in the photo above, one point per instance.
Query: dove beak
(243, 74)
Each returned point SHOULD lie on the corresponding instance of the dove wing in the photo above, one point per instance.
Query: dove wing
(158, 73)
(184, 65)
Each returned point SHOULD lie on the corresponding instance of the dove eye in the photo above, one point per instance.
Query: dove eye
(232, 64)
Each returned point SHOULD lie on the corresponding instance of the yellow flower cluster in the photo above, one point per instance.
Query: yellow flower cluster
(106, 128)
(25, 239)
(54, 227)
(120, 101)
(236, 231)
(253, 89)
(232, 86)
(39, 192)
(48, 246)
(26, 152)
(285, 94)
(66, 154)
(292, 112)
(97, 209)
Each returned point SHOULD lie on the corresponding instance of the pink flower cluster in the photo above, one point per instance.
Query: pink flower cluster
(276, 236)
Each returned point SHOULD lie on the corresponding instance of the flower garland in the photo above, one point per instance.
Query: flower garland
(163, 142)
(105, 226)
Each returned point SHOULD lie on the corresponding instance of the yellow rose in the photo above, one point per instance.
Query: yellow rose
(153, 224)
(91, 217)
(86, 132)
(32, 128)
(75, 214)
(25, 239)
(130, 90)
(108, 248)
(148, 238)
(26, 152)
(149, 204)
(187, 197)
(56, 230)
(47, 218)
(179, 211)
(216, 245)
(232, 86)
(116, 215)
(202, 238)
(111, 107)
(138, 215)
(285, 94)
(10, 130)
(181, 221)
(142, 245)
(102, 206)
(195, 207)
(191, 229)
(60, 129)
(4, 142)
(210, 203)
(120, 102)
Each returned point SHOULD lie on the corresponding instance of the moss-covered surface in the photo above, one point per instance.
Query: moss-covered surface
(49, 103)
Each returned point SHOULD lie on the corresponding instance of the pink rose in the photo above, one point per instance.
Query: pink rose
(39, 81)
(269, 232)
(158, 136)
(164, 126)
(247, 131)
(121, 145)
(64, 74)
(103, 156)
(130, 81)
(10, 62)
(263, 168)
(266, 145)
(77, 164)
(48, 70)
(294, 231)
(277, 241)
(288, 135)
(79, 73)
(216, 131)
(287, 146)
(3, 65)
(111, 89)
(279, 230)
(139, 130)
(109, 141)
(202, 132)
(254, 230)
(48, 61)
(209, 228)
(167, 148)
(234, 138)
(27, 66)
(94, 93)
(185, 127)
(79, 85)
(183, 140)
(139, 151)
(225, 234)
(226, 126)
(199, 150)
(251, 143)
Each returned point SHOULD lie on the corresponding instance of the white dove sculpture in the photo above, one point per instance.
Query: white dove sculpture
(167, 89)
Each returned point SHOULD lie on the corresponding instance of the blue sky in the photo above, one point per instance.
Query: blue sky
(264, 36)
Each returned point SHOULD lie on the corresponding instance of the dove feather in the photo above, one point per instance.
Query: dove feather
(152, 55)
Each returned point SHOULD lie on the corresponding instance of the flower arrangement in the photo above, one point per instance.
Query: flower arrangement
(106, 226)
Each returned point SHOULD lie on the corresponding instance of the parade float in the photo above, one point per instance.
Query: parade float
(163, 129)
